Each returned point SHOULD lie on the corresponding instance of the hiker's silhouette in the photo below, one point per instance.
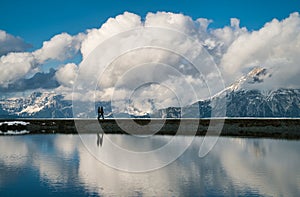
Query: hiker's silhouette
(100, 112)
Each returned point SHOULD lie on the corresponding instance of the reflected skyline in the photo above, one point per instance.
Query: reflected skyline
(60, 164)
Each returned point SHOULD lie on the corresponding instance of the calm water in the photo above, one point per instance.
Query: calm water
(48, 165)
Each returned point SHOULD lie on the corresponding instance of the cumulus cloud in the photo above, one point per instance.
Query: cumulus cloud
(276, 47)
(180, 34)
(172, 43)
(178, 22)
(10, 43)
(60, 47)
(218, 40)
(18, 65)
(40, 80)
(66, 75)
(235, 50)
(110, 28)
(15, 66)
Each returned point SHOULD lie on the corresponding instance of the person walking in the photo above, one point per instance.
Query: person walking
(100, 112)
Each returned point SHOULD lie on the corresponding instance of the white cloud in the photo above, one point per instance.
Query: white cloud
(66, 75)
(10, 43)
(191, 48)
(14, 66)
(235, 23)
(218, 40)
(235, 50)
(178, 22)
(18, 65)
(110, 28)
(59, 47)
(204, 23)
(276, 47)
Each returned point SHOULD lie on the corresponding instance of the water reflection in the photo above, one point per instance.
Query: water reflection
(100, 134)
(99, 139)
(60, 165)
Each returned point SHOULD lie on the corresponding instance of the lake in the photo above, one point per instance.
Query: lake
(60, 165)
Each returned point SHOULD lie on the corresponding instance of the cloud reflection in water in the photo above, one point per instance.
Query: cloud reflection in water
(60, 164)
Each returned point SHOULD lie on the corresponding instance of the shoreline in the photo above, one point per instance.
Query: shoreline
(281, 128)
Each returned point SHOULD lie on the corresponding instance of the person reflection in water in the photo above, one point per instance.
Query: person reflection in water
(100, 134)
(99, 139)
(100, 112)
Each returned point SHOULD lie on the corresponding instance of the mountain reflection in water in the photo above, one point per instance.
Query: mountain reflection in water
(60, 164)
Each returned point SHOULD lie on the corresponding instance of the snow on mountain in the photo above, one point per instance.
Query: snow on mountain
(240, 99)
(37, 105)
(244, 99)
(257, 75)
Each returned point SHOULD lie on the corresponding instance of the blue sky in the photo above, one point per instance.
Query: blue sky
(36, 21)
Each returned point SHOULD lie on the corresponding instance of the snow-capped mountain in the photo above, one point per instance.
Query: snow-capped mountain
(241, 99)
(238, 100)
(244, 99)
(37, 105)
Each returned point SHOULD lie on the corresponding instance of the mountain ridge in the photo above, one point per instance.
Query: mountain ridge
(236, 100)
